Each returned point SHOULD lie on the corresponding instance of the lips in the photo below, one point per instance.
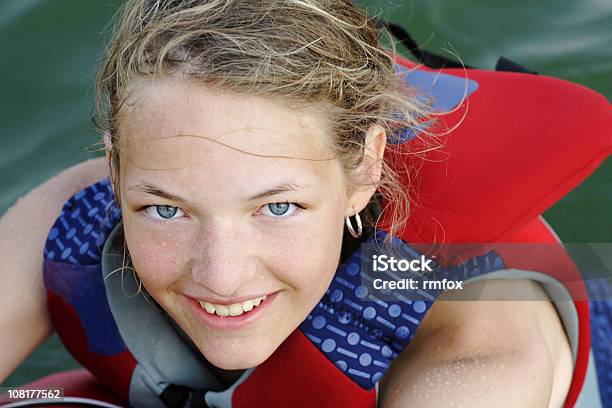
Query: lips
(234, 309)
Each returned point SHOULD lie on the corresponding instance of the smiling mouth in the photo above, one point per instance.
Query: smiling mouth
(232, 310)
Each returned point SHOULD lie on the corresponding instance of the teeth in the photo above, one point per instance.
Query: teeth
(221, 310)
(208, 307)
(248, 305)
(235, 309)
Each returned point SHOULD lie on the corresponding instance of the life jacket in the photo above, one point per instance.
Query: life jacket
(513, 146)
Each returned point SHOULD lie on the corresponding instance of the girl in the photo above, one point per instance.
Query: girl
(242, 138)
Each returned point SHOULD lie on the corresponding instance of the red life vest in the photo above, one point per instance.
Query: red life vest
(513, 154)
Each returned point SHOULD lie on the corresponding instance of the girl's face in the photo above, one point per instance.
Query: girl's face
(213, 227)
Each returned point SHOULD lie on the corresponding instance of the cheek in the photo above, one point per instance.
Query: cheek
(308, 259)
(159, 259)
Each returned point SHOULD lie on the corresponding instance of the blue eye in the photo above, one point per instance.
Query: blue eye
(280, 209)
(163, 212)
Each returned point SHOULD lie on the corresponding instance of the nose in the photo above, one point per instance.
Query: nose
(222, 260)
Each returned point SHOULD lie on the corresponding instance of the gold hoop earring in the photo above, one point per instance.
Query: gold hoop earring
(349, 225)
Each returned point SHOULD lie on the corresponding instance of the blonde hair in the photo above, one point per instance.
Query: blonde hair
(317, 53)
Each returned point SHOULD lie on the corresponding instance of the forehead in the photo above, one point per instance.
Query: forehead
(171, 125)
(162, 108)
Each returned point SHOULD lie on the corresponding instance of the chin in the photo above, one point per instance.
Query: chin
(241, 361)
(234, 357)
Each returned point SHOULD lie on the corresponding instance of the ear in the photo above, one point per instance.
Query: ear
(368, 174)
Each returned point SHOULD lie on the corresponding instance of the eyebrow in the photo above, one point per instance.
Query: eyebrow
(278, 189)
(156, 191)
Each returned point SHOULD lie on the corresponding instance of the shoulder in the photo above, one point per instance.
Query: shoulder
(495, 314)
(497, 327)
(29, 220)
(25, 226)
(70, 181)
(33, 214)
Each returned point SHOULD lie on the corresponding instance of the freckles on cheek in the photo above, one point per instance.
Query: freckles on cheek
(156, 260)
(306, 260)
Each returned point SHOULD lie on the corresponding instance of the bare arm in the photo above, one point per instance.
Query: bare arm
(24, 319)
(484, 354)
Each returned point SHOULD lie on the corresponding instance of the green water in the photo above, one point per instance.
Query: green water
(49, 50)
